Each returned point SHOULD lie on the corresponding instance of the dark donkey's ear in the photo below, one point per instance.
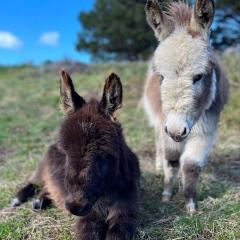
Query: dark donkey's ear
(112, 95)
(202, 17)
(70, 100)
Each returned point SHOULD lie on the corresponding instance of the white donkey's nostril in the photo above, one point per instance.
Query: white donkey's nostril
(184, 133)
(176, 134)
(177, 127)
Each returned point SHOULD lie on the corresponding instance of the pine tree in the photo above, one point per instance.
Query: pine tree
(116, 30)
(226, 30)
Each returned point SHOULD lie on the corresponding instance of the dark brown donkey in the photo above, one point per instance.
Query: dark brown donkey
(90, 171)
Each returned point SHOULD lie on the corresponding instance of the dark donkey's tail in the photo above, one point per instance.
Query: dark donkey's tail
(24, 194)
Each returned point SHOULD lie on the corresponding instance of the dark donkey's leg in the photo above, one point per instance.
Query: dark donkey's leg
(32, 188)
(90, 228)
(42, 202)
(24, 194)
(122, 221)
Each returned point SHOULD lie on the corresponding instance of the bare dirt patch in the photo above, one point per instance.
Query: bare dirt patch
(6, 213)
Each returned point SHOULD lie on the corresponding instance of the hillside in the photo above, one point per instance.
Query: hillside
(29, 122)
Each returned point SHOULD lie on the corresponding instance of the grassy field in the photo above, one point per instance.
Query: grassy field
(29, 122)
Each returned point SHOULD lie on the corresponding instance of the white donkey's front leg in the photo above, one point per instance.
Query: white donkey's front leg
(192, 161)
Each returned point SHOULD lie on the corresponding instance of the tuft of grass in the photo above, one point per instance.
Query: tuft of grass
(29, 122)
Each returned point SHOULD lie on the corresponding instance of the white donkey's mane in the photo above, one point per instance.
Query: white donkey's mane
(179, 13)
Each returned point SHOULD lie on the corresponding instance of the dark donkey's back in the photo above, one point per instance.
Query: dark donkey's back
(90, 171)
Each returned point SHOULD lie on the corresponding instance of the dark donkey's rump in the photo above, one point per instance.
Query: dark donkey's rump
(90, 171)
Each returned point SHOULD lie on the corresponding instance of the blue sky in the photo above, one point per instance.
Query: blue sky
(39, 30)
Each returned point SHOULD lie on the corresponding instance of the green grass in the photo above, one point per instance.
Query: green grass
(29, 122)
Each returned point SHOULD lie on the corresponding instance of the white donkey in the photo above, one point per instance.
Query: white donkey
(184, 93)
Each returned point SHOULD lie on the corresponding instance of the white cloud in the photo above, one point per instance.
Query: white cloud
(50, 39)
(9, 41)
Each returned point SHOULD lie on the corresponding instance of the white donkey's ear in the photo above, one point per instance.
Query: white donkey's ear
(157, 19)
(202, 16)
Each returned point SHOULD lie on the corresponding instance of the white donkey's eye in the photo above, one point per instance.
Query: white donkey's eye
(197, 78)
(161, 78)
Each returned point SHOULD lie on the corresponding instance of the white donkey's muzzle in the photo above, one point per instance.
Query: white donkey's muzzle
(177, 127)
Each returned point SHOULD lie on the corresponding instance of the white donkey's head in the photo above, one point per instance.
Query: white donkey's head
(184, 62)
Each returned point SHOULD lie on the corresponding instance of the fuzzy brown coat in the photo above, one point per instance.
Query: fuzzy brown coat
(90, 171)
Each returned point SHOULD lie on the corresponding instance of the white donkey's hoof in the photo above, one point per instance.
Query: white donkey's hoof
(166, 197)
(192, 212)
(191, 208)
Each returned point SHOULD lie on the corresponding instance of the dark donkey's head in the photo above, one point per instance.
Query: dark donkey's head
(91, 139)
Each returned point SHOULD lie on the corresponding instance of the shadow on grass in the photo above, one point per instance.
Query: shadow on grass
(155, 216)
(158, 219)
(226, 167)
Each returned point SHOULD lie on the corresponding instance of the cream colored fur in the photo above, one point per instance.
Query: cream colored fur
(178, 58)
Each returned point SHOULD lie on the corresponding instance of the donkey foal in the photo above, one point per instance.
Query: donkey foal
(90, 171)
(185, 92)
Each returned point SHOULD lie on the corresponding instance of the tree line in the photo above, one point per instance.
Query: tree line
(117, 29)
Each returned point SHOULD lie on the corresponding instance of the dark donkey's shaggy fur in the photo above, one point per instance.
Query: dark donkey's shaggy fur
(90, 171)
